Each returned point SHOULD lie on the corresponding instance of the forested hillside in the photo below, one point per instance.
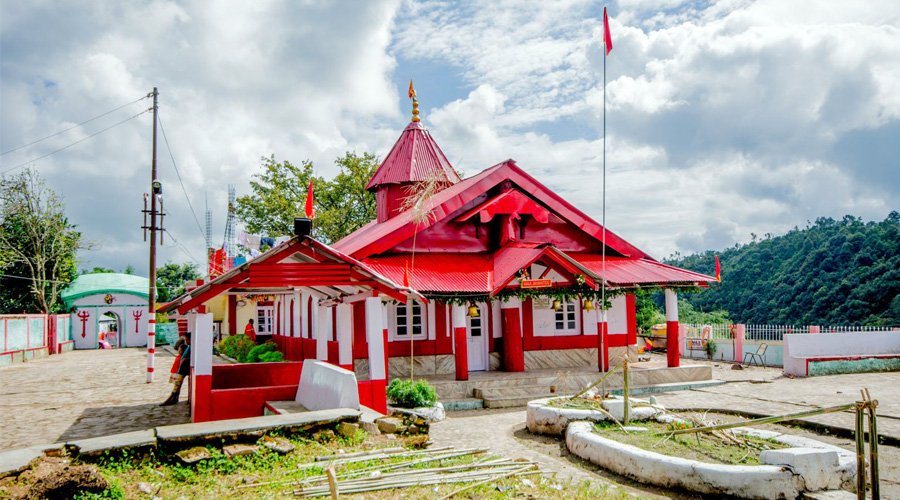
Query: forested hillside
(833, 272)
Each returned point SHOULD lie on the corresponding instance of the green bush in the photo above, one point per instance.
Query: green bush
(271, 357)
(254, 355)
(411, 394)
(237, 347)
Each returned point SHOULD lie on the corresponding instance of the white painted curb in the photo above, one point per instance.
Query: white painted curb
(745, 481)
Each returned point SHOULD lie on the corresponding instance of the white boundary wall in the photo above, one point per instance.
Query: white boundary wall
(797, 348)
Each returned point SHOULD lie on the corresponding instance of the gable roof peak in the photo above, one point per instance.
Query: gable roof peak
(415, 157)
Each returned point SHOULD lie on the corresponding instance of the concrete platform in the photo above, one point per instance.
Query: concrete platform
(98, 445)
(505, 389)
(256, 426)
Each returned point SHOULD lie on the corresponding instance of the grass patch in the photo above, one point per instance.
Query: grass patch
(276, 475)
(702, 446)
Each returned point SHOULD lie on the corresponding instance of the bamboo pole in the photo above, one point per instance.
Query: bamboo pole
(332, 482)
(341, 456)
(479, 483)
(598, 382)
(860, 453)
(873, 447)
(625, 411)
(769, 420)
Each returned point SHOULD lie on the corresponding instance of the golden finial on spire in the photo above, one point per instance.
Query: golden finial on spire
(412, 95)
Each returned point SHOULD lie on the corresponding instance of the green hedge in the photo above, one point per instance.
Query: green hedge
(411, 394)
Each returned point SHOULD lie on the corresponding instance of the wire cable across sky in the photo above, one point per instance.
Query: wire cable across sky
(74, 143)
(73, 126)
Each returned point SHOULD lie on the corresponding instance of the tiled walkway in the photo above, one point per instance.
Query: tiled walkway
(82, 394)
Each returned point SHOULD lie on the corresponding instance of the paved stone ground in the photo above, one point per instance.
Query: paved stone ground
(82, 394)
(757, 390)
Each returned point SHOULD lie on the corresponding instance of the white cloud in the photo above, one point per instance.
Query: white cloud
(724, 118)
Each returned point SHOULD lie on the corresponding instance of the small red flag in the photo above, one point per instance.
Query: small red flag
(607, 37)
(406, 275)
(310, 209)
(718, 270)
(412, 91)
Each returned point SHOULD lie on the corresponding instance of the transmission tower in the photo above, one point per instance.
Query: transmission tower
(230, 235)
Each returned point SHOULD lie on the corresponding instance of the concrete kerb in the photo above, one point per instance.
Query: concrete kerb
(541, 418)
(821, 428)
(810, 466)
(765, 481)
(179, 436)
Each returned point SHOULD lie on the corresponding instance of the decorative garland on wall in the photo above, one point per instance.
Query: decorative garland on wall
(578, 290)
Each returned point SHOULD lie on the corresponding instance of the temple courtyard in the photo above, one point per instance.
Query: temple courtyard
(84, 394)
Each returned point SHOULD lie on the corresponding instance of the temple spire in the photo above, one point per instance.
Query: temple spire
(415, 102)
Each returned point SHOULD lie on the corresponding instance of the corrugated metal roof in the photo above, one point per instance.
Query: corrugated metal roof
(415, 157)
(623, 271)
(438, 272)
(481, 273)
(375, 238)
(90, 284)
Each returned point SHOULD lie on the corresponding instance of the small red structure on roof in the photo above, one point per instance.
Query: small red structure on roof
(415, 158)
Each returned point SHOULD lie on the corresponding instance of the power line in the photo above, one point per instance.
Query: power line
(74, 143)
(182, 247)
(188, 198)
(72, 127)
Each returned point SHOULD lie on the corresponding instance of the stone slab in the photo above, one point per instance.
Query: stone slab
(324, 386)
(96, 446)
(462, 404)
(368, 414)
(13, 461)
(252, 427)
(284, 407)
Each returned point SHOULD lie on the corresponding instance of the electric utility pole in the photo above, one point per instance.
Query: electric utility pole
(155, 196)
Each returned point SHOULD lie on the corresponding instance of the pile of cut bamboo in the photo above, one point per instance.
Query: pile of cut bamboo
(403, 469)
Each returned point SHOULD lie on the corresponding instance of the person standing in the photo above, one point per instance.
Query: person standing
(249, 330)
(184, 370)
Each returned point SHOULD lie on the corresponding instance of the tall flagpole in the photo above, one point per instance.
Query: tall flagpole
(603, 210)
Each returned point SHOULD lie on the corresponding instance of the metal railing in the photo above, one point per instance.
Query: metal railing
(774, 333)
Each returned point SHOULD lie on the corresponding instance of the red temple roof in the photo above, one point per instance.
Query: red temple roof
(415, 157)
(489, 273)
(379, 237)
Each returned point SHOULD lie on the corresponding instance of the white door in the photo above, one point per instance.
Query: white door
(264, 320)
(476, 332)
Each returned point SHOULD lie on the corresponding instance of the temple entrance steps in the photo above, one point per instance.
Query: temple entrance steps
(497, 389)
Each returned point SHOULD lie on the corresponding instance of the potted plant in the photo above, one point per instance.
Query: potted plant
(710, 348)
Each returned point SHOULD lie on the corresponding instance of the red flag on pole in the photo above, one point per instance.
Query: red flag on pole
(310, 209)
(718, 270)
(412, 91)
(607, 37)
(406, 275)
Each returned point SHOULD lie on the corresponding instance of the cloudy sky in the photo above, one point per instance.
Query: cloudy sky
(723, 118)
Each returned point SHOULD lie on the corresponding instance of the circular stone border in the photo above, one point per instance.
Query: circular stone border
(809, 466)
(541, 418)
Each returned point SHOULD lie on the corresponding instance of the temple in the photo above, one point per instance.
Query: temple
(494, 272)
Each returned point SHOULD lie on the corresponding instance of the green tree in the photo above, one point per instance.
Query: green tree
(279, 195)
(37, 245)
(344, 205)
(832, 272)
(171, 278)
(646, 311)
(98, 270)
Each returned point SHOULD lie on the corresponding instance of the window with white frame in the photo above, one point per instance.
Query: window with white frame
(409, 319)
(567, 317)
(264, 319)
